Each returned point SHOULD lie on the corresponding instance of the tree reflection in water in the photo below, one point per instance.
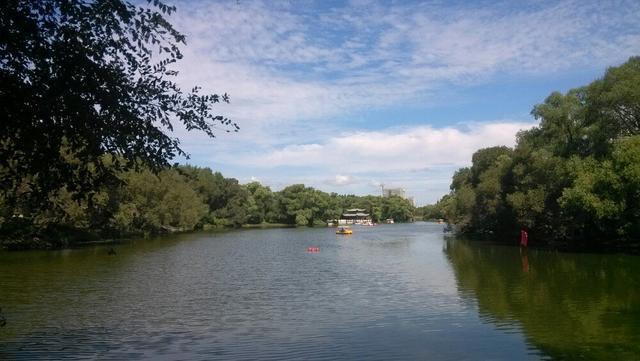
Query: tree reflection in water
(571, 306)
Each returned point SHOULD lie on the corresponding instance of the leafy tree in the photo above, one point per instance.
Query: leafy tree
(301, 205)
(151, 203)
(229, 202)
(460, 208)
(263, 202)
(562, 121)
(334, 209)
(90, 78)
(397, 208)
(461, 177)
(213, 187)
(434, 211)
(484, 159)
(236, 212)
(490, 207)
(614, 101)
(604, 196)
(574, 177)
(626, 162)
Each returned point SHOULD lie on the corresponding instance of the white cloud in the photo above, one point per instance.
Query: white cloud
(421, 159)
(292, 70)
(341, 180)
(283, 64)
(393, 149)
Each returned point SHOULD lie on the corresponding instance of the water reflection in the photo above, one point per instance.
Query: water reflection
(571, 306)
(386, 293)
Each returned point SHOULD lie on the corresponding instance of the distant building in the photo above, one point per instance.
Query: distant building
(355, 216)
(390, 192)
(399, 192)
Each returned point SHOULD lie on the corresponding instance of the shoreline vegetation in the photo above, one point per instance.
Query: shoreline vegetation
(177, 199)
(573, 181)
(90, 101)
(86, 143)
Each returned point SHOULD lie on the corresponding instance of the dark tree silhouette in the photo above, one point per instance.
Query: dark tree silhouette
(86, 91)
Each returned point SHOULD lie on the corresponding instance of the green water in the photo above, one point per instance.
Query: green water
(570, 306)
(393, 292)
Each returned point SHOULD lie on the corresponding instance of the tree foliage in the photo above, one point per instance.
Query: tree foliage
(85, 79)
(574, 177)
(152, 202)
(178, 198)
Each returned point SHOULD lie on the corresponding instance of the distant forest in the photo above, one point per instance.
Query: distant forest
(178, 198)
(88, 105)
(574, 178)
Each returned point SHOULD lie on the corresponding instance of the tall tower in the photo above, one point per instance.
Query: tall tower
(382, 188)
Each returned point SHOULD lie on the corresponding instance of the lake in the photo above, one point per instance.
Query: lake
(391, 292)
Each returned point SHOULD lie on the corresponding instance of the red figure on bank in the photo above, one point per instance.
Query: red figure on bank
(524, 238)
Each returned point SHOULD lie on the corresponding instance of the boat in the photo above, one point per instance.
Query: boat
(344, 230)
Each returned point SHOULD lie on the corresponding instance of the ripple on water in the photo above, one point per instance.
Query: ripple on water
(386, 293)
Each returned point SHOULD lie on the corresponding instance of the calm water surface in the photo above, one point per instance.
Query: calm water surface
(385, 293)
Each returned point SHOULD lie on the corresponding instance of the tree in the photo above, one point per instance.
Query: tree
(334, 209)
(461, 177)
(562, 121)
(574, 177)
(626, 162)
(605, 194)
(397, 208)
(211, 186)
(298, 204)
(614, 100)
(263, 202)
(460, 207)
(90, 78)
(150, 202)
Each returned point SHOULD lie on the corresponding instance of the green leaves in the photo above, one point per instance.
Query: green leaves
(95, 77)
(151, 203)
(575, 176)
(614, 101)
(595, 190)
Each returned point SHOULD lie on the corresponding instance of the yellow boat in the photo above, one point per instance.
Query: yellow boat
(344, 230)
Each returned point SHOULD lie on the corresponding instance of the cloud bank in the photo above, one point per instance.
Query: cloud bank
(299, 73)
(420, 159)
(285, 61)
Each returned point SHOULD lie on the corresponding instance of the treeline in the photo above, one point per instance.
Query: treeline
(573, 178)
(86, 133)
(179, 198)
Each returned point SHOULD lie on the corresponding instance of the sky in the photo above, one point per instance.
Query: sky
(346, 96)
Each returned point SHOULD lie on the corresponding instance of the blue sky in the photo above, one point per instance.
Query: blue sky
(343, 96)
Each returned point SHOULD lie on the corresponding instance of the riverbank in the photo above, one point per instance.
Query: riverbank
(55, 239)
(568, 246)
(268, 225)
